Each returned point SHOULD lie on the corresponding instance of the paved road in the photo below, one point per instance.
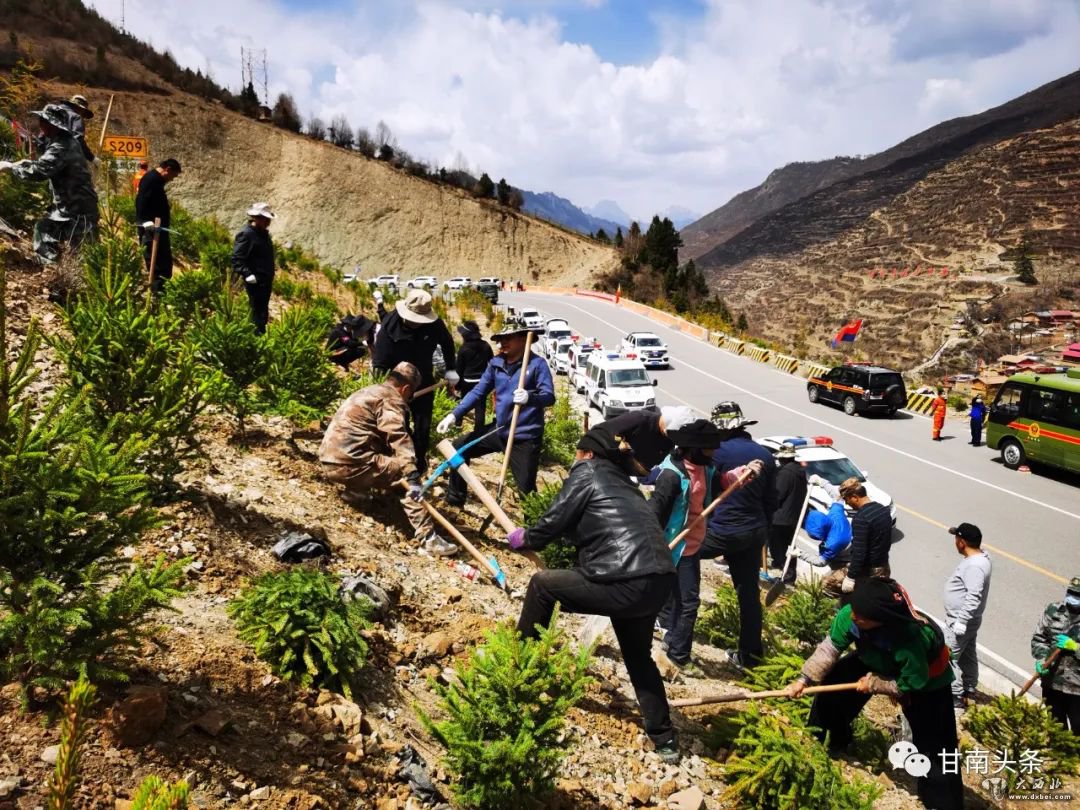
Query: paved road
(1030, 522)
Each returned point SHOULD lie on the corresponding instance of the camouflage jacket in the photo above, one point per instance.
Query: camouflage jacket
(1056, 619)
(371, 431)
(64, 166)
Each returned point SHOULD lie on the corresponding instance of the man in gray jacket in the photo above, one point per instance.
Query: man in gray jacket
(966, 592)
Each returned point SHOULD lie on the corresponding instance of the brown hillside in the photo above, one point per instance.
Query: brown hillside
(805, 204)
(345, 208)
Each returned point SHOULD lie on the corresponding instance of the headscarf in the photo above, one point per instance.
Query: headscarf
(885, 601)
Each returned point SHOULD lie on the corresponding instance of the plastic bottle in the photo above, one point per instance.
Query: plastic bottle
(464, 569)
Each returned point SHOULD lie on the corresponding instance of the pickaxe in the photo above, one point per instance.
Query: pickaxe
(773, 693)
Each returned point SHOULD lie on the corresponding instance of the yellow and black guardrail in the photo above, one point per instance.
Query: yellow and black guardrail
(784, 362)
(756, 353)
(920, 403)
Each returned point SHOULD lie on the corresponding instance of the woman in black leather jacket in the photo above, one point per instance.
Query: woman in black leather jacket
(624, 569)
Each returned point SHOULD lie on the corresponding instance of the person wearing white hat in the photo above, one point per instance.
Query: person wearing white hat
(253, 262)
(410, 333)
(73, 217)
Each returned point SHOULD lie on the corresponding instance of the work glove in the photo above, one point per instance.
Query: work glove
(1040, 668)
(1063, 642)
(848, 585)
(250, 278)
(377, 295)
(814, 480)
(416, 492)
(5, 165)
(757, 467)
(149, 226)
(451, 378)
(959, 628)
(446, 425)
(516, 538)
(793, 551)
(521, 396)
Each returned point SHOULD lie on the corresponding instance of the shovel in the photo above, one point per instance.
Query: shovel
(774, 693)
(1049, 662)
(777, 587)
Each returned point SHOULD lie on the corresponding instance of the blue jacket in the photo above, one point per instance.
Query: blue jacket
(978, 412)
(503, 379)
(752, 506)
(831, 529)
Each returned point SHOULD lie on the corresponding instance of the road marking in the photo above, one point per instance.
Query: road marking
(837, 429)
(1008, 555)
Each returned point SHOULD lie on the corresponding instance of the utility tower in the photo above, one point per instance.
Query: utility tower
(250, 63)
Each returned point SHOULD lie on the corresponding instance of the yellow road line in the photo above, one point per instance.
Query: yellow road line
(1019, 560)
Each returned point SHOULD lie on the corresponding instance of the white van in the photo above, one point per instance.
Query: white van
(555, 330)
(615, 385)
(559, 356)
(578, 358)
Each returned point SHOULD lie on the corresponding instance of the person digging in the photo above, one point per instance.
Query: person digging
(368, 449)
(899, 652)
(624, 568)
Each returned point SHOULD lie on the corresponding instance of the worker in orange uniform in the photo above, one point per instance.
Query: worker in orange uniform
(144, 167)
(938, 409)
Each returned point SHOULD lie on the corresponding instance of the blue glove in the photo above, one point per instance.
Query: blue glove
(1063, 642)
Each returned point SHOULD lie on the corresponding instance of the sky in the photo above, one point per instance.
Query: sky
(651, 104)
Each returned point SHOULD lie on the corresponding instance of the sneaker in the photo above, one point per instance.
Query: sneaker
(437, 547)
(669, 753)
(765, 577)
(722, 566)
(959, 702)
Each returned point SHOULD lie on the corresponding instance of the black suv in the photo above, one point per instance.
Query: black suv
(860, 388)
(489, 291)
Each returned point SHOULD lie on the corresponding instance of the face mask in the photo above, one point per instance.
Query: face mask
(1073, 603)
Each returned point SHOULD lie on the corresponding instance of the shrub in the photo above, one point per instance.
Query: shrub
(298, 623)
(559, 554)
(562, 430)
(227, 342)
(298, 379)
(806, 615)
(775, 672)
(138, 372)
(71, 496)
(958, 402)
(190, 295)
(505, 716)
(443, 405)
(719, 622)
(776, 764)
(1010, 722)
(20, 202)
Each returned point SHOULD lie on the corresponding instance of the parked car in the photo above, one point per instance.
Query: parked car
(616, 385)
(488, 290)
(489, 280)
(820, 457)
(422, 283)
(555, 329)
(578, 358)
(860, 388)
(558, 357)
(457, 283)
(646, 347)
(388, 281)
(530, 318)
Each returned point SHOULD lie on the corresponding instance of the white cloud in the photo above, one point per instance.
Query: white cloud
(748, 87)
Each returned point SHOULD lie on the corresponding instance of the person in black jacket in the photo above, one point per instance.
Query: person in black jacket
(350, 339)
(253, 261)
(871, 537)
(790, 494)
(647, 431)
(624, 569)
(472, 360)
(410, 333)
(151, 202)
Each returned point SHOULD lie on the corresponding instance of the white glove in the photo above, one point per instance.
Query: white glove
(377, 296)
(445, 425)
(757, 466)
(959, 628)
(521, 396)
(814, 480)
(848, 585)
(793, 551)
(149, 226)
(451, 378)
(5, 164)
(250, 279)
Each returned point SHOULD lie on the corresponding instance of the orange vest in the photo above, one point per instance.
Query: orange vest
(135, 180)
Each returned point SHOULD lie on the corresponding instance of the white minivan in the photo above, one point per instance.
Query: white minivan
(615, 385)
(578, 357)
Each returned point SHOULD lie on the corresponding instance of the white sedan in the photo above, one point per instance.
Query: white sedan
(820, 457)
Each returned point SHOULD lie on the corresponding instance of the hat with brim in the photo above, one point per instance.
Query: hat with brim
(967, 531)
(701, 434)
(416, 307)
(785, 451)
(359, 323)
(261, 209)
(510, 331)
(55, 115)
(80, 104)
(729, 416)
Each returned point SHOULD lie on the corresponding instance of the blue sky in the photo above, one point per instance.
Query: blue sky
(650, 104)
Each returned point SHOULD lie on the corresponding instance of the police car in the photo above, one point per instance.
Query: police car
(818, 455)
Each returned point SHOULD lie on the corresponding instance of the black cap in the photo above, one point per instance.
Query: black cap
(968, 532)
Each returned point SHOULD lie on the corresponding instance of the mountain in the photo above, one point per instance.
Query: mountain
(680, 216)
(803, 204)
(344, 207)
(610, 210)
(554, 208)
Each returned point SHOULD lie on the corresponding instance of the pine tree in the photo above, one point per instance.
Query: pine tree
(1023, 264)
(484, 187)
(742, 325)
(285, 114)
(618, 237)
(71, 496)
(502, 192)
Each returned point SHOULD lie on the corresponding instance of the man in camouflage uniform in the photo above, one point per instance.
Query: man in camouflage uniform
(1059, 628)
(73, 217)
(368, 448)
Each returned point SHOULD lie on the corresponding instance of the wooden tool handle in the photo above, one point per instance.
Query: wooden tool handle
(105, 123)
(474, 552)
(154, 249)
(1049, 662)
(517, 411)
(742, 479)
(775, 693)
(429, 389)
